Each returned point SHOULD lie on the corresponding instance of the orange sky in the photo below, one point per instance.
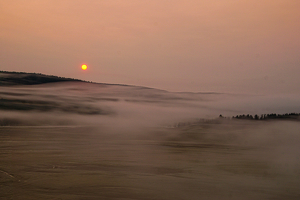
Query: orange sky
(191, 45)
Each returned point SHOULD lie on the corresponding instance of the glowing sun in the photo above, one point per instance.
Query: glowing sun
(83, 67)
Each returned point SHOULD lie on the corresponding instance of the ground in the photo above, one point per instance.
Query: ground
(219, 160)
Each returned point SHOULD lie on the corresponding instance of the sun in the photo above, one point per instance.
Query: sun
(83, 67)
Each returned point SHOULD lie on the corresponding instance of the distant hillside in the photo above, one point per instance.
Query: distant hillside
(22, 78)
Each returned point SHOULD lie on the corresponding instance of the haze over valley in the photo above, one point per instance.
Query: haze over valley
(149, 99)
(64, 138)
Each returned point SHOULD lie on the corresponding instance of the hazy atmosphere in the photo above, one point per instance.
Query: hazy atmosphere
(74, 140)
(149, 100)
(237, 46)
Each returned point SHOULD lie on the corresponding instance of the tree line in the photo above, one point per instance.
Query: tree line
(266, 116)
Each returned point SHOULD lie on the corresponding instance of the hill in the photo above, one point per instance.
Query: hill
(23, 78)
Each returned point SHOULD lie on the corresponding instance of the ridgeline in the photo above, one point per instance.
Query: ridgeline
(23, 78)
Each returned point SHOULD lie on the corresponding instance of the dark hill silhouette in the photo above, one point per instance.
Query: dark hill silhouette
(8, 78)
(23, 78)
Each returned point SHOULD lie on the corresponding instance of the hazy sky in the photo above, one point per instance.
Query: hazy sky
(248, 46)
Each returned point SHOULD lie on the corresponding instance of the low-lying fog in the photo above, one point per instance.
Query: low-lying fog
(87, 103)
(98, 141)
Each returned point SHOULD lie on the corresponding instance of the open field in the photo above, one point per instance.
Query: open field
(87, 141)
(207, 161)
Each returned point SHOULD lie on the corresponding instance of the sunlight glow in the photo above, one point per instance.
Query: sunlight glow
(83, 67)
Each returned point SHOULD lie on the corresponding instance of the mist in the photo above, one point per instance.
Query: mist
(180, 99)
(86, 140)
